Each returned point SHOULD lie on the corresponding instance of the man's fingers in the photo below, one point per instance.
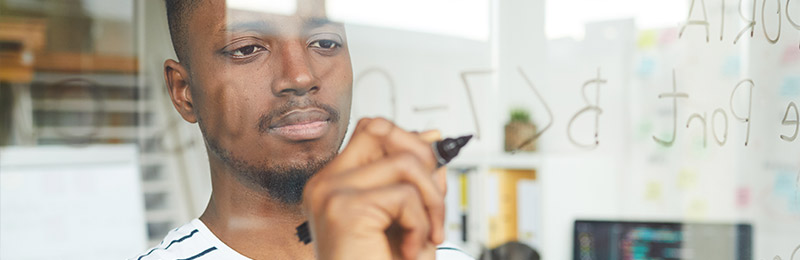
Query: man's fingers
(440, 175)
(381, 155)
(440, 179)
(378, 137)
(403, 168)
(396, 212)
(402, 202)
(430, 136)
(428, 251)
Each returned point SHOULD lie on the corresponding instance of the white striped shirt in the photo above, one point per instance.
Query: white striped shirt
(195, 241)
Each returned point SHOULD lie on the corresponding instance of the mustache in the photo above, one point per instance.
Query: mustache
(265, 120)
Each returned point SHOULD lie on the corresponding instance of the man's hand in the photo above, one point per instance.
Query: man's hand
(381, 198)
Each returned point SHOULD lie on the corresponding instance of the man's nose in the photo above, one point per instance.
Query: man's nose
(297, 77)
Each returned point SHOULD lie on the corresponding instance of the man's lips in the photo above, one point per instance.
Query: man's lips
(302, 124)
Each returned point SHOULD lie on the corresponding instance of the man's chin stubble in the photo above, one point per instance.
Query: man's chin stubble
(282, 182)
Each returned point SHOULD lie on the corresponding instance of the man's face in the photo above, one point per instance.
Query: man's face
(271, 92)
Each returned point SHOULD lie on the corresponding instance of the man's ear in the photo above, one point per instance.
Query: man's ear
(177, 78)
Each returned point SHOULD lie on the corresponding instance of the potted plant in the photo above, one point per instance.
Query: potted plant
(518, 130)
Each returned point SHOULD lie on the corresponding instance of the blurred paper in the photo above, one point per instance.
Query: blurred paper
(528, 207)
(71, 203)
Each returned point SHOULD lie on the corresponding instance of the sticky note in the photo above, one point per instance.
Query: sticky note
(743, 197)
(790, 86)
(644, 130)
(731, 66)
(647, 39)
(784, 184)
(790, 55)
(646, 67)
(668, 36)
(687, 179)
(653, 191)
(697, 208)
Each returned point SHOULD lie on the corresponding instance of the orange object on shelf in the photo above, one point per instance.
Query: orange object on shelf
(86, 63)
(503, 224)
(21, 39)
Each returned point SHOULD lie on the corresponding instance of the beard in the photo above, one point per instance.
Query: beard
(283, 182)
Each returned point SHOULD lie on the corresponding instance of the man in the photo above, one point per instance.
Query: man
(271, 94)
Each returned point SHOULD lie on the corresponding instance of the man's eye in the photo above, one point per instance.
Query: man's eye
(245, 51)
(325, 44)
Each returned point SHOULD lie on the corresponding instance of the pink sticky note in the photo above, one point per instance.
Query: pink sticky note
(668, 36)
(742, 197)
(790, 55)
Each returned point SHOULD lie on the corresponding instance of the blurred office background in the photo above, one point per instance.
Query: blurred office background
(91, 144)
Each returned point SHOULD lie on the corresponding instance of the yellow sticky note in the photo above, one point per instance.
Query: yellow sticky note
(687, 179)
(653, 191)
(647, 39)
(697, 209)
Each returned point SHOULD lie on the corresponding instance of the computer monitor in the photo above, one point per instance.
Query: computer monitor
(612, 240)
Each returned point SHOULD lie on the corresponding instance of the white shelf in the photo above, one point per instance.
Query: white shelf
(501, 160)
(96, 132)
(88, 105)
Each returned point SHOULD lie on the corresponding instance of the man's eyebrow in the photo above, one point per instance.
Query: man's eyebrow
(316, 22)
(258, 26)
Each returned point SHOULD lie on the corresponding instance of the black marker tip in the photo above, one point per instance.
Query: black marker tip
(447, 149)
(463, 140)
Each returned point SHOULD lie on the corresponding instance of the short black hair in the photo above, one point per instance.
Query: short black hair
(178, 13)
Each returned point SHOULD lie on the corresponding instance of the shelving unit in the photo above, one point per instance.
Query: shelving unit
(488, 177)
(83, 108)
